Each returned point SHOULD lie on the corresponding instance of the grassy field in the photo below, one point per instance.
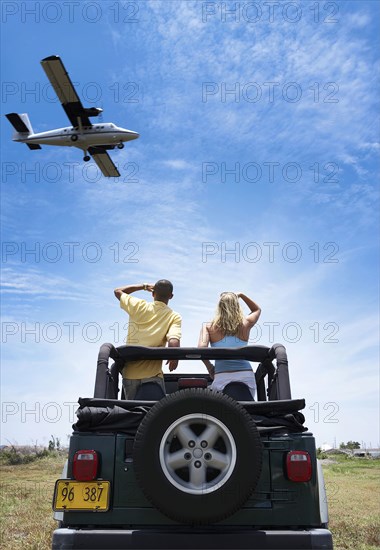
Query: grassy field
(26, 491)
(353, 488)
(353, 493)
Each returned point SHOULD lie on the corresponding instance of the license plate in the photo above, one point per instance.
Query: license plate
(81, 495)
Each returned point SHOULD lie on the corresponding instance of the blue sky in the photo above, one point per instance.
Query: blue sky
(256, 170)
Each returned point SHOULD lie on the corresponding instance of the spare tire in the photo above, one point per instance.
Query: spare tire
(197, 456)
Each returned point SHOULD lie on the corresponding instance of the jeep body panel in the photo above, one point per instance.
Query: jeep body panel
(276, 501)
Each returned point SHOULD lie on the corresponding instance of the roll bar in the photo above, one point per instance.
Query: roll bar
(106, 382)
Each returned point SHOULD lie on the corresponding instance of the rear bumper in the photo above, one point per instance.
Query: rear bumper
(149, 539)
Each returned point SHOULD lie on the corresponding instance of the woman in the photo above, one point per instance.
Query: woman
(230, 329)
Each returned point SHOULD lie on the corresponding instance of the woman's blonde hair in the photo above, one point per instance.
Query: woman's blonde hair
(229, 316)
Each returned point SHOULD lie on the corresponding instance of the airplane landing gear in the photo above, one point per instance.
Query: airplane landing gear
(120, 145)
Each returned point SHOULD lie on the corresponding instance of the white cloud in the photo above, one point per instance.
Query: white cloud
(178, 164)
(359, 20)
(33, 282)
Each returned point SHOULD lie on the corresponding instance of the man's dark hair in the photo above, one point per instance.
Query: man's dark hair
(163, 289)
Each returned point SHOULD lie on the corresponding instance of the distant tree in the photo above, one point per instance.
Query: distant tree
(350, 445)
(52, 443)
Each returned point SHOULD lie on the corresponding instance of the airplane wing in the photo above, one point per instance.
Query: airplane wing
(104, 161)
(63, 87)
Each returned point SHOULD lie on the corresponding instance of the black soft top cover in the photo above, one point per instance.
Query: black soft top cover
(112, 415)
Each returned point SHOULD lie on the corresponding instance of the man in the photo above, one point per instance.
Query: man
(151, 324)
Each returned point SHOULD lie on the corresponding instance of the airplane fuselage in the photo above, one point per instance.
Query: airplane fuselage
(85, 137)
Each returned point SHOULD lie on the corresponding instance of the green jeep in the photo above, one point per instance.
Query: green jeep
(195, 468)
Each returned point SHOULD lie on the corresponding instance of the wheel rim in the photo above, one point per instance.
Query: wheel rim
(197, 453)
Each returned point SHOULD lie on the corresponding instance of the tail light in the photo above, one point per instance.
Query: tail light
(85, 465)
(298, 466)
(192, 383)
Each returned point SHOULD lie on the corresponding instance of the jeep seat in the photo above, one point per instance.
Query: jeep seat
(149, 391)
(238, 391)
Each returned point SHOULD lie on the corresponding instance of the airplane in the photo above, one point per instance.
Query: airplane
(93, 139)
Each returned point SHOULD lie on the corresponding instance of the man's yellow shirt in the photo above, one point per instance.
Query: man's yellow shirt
(150, 324)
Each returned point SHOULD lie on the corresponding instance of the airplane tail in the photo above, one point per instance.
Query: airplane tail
(23, 127)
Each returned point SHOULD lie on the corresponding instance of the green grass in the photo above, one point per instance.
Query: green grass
(26, 491)
(353, 493)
